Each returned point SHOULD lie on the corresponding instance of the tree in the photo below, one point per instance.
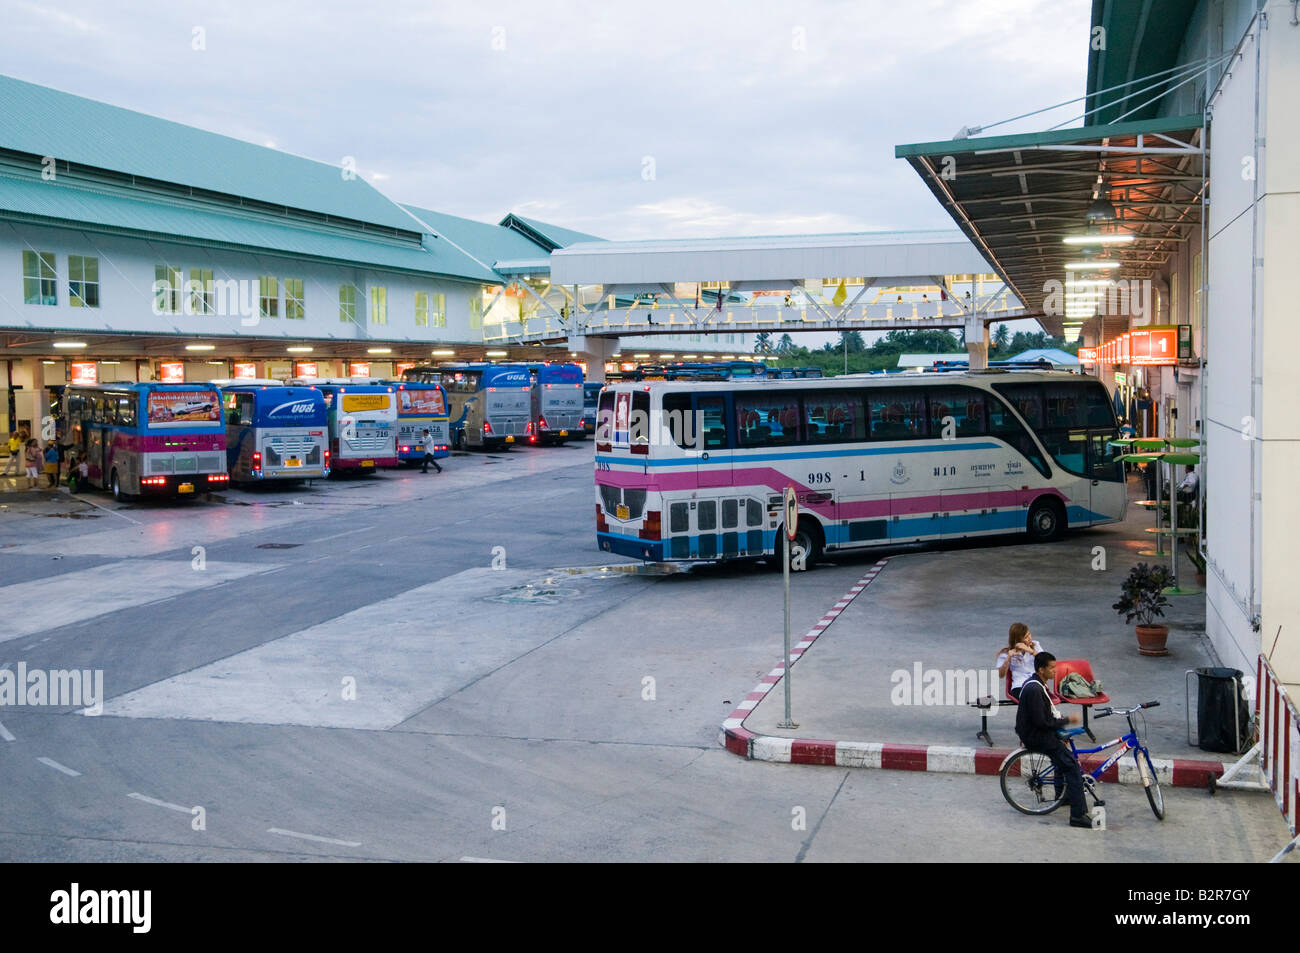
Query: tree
(785, 345)
(763, 343)
(1001, 338)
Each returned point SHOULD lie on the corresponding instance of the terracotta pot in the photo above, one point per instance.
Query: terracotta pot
(1151, 639)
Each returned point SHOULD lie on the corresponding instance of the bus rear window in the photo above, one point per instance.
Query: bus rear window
(605, 417)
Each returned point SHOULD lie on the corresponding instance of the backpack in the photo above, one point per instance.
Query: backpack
(1076, 686)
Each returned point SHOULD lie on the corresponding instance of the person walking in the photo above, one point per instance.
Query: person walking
(52, 464)
(15, 465)
(32, 461)
(427, 442)
(1037, 719)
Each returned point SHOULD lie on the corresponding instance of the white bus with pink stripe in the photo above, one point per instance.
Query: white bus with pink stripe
(695, 471)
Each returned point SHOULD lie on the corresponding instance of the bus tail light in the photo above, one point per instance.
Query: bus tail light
(218, 477)
(257, 462)
(153, 481)
(601, 525)
(405, 449)
(541, 424)
(651, 528)
(487, 429)
(327, 459)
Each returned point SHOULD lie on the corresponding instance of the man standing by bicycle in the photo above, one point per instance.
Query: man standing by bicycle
(1037, 720)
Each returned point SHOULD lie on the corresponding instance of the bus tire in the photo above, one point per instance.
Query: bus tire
(1046, 520)
(460, 441)
(805, 549)
(115, 484)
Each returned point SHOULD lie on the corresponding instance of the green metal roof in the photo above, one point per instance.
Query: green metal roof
(41, 121)
(1030, 140)
(1142, 37)
(65, 205)
(546, 235)
(484, 242)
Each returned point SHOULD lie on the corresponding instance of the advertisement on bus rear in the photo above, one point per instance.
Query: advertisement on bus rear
(421, 403)
(177, 408)
(352, 403)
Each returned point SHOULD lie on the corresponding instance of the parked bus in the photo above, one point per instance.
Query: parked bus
(590, 398)
(696, 471)
(555, 407)
(421, 407)
(275, 432)
(148, 438)
(488, 403)
(362, 422)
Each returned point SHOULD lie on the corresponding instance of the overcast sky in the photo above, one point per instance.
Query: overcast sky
(626, 120)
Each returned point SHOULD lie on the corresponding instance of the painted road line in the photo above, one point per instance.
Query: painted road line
(314, 837)
(77, 596)
(485, 860)
(405, 652)
(51, 763)
(5, 733)
(85, 499)
(349, 532)
(157, 803)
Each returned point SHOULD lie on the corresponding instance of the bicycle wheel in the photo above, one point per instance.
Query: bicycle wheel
(1145, 767)
(1031, 783)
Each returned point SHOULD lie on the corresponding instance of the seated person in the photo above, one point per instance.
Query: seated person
(1037, 720)
(1190, 487)
(1018, 655)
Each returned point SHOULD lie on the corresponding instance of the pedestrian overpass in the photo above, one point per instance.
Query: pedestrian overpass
(591, 294)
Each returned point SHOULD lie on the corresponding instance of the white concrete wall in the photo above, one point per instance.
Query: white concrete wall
(126, 275)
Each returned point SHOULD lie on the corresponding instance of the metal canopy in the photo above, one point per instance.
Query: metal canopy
(1017, 197)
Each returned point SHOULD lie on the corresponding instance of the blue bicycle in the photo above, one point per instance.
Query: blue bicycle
(1032, 785)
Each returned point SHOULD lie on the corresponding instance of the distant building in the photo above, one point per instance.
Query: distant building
(1053, 354)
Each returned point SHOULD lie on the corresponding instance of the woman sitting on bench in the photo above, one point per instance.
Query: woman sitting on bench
(1019, 655)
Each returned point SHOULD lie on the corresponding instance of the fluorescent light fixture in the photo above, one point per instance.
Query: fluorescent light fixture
(110, 362)
(687, 357)
(218, 363)
(200, 347)
(496, 353)
(1089, 283)
(69, 343)
(379, 350)
(299, 350)
(1089, 265)
(49, 362)
(444, 353)
(1117, 239)
(640, 355)
(664, 357)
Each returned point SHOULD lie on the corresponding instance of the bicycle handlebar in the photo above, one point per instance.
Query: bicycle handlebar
(1106, 712)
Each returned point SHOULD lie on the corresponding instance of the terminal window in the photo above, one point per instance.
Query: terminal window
(439, 312)
(294, 302)
(378, 305)
(83, 282)
(348, 303)
(39, 282)
(167, 289)
(201, 293)
(269, 296)
(421, 309)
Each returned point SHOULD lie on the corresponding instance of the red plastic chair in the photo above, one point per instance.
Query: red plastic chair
(1083, 668)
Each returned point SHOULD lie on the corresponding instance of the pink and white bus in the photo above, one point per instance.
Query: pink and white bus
(148, 438)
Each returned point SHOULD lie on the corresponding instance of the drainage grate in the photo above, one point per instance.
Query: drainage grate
(278, 545)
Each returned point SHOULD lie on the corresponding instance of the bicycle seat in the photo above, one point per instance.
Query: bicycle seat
(1070, 732)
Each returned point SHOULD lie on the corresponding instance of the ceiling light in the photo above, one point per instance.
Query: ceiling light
(664, 357)
(379, 350)
(1089, 283)
(200, 347)
(218, 363)
(444, 353)
(496, 353)
(69, 343)
(1118, 238)
(110, 362)
(640, 355)
(299, 350)
(1101, 210)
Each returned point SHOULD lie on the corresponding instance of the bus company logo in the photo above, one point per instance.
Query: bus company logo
(900, 474)
(295, 409)
(60, 688)
(76, 906)
(943, 687)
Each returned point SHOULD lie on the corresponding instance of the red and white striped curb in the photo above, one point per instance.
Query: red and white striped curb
(736, 738)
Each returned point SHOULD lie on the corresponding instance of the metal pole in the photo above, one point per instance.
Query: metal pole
(788, 723)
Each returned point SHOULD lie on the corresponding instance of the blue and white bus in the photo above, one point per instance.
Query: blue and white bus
(148, 438)
(275, 432)
(362, 422)
(555, 405)
(488, 403)
(696, 471)
(421, 407)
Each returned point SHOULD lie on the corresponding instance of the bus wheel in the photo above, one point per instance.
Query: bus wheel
(116, 486)
(805, 548)
(460, 441)
(1046, 520)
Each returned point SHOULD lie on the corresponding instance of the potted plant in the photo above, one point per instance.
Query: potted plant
(1142, 598)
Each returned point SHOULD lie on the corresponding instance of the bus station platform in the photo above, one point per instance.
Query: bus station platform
(912, 617)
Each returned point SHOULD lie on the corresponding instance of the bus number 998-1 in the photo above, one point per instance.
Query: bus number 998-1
(819, 478)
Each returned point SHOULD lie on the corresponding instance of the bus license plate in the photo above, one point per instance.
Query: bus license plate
(622, 512)
(510, 439)
(564, 433)
(367, 463)
(293, 462)
(185, 488)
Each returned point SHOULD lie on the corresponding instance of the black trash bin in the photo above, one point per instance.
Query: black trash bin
(1222, 717)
